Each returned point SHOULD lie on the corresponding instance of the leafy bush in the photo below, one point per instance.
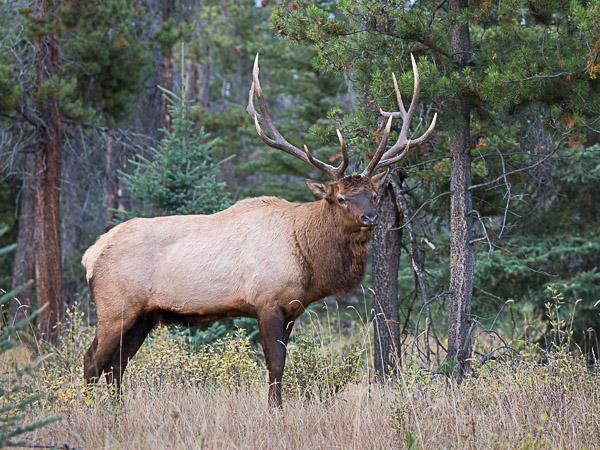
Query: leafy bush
(170, 358)
(61, 372)
(199, 336)
(314, 372)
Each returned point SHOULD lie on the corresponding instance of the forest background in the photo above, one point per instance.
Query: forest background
(514, 82)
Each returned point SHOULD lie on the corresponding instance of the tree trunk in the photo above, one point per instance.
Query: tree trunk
(191, 80)
(111, 183)
(204, 83)
(24, 268)
(461, 229)
(386, 255)
(166, 72)
(166, 81)
(48, 168)
(72, 218)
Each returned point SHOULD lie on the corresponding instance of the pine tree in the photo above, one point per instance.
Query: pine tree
(84, 65)
(181, 178)
(493, 72)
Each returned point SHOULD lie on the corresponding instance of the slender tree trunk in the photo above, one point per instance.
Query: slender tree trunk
(191, 77)
(166, 81)
(386, 255)
(462, 259)
(204, 83)
(111, 183)
(166, 72)
(72, 217)
(24, 267)
(48, 168)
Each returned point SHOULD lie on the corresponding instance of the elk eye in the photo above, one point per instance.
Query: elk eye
(341, 200)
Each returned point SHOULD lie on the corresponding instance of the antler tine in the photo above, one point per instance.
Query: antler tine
(379, 153)
(336, 173)
(345, 160)
(277, 140)
(397, 114)
(391, 156)
(264, 119)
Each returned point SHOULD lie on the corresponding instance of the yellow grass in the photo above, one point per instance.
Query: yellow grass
(195, 418)
(516, 404)
(530, 409)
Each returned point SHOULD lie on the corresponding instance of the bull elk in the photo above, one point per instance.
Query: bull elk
(263, 257)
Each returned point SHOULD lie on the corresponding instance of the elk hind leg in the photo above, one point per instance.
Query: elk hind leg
(133, 339)
(98, 357)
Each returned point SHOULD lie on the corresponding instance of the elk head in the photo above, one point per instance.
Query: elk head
(352, 198)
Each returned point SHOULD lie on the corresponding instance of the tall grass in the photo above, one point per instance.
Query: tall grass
(215, 397)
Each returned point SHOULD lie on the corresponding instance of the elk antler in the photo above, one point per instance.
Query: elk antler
(278, 141)
(383, 158)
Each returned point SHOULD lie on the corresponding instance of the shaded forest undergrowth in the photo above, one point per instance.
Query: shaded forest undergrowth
(184, 394)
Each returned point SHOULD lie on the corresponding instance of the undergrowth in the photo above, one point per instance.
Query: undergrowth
(179, 392)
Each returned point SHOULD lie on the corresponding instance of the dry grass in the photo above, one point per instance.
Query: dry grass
(536, 407)
(197, 418)
(519, 404)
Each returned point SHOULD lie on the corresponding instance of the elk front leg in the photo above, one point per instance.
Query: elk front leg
(273, 335)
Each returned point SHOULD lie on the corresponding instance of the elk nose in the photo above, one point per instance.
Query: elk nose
(370, 220)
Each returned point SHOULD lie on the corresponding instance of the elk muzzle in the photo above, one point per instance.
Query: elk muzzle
(369, 220)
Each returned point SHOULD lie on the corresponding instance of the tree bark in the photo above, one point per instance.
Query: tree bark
(48, 169)
(24, 267)
(166, 72)
(72, 218)
(111, 182)
(386, 255)
(166, 81)
(204, 83)
(191, 80)
(462, 259)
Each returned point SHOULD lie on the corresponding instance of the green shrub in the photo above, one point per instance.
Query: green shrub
(170, 358)
(314, 372)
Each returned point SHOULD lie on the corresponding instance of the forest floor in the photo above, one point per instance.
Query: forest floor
(216, 397)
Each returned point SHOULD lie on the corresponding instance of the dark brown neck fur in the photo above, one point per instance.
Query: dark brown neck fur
(333, 262)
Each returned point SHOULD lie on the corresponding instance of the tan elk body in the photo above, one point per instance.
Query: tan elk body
(261, 252)
(264, 258)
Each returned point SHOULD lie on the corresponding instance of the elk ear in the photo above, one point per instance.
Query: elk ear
(379, 179)
(319, 189)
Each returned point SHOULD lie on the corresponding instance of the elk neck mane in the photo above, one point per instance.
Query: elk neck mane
(333, 262)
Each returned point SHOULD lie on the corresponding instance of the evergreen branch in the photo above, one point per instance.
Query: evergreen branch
(512, 172)
(541, 77)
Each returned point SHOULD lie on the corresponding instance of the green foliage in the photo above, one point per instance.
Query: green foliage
(510, 69)
(104, 60)
(169, 33)
(62, 370)
(171, 358)
(314, 372)
(587, 15)
(558, 325)
(9, 90)
(181, 178)
(531, 87)
(112, 59)
(220, 329)
(16, 393)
